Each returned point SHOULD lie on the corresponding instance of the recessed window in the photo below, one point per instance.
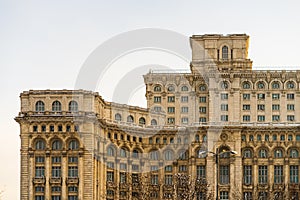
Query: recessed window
(56, 106)
(246, 107)
(171, 109)
(142, 121)
(184, 89)
(118, 117)
(246, 96)
(171, 88)
(202, 88)
(290, 96)
(202, 99)
(171, 120)
(225, 52)
(73, 145)
(224, 96)
(260, 118)
(184, 120)
(130, 119)
(246, 85)
(275, 85)
(224, 107)
(224, 85)
(291, 107)
(260, 85)
(39, 106)
(275, 118)
(184, 109)
(290, 118)
(56, 145)
(275, 96)
(260, 96)
(184, 99)
(157, 99)
(261, 107)
(275, 107)
(171, 99)
(202, 110)
(224, 118)
(73, 106)
(157, 88)
(290, 85)
(153, 122)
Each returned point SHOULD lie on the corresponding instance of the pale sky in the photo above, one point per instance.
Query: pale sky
(43, 45)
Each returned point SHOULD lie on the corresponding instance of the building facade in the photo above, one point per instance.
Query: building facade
(221, 130)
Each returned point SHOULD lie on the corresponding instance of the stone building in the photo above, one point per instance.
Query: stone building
(229, 131)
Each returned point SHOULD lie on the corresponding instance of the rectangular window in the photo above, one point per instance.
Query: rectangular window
(122, 177)
(224, 118)
(154, 168)
(202, 99)
(247, 196)
(202, 110)
(154, 179)
(135, 167)
(39, 159)
(246, 96)
(110, 165)
(157, 108)
(184, 109)
(73, 171)
(275, 118)
(73, 159)
(39, 172)
(224, 107)
(224, 195)
(261, 107)
(275, 107)
(55, 197)
(171, 120)
(290, 107)
(224, 174)
(39, 189)
(275, 96)
(246, 107)
(35, 128)
(290, 96)
(261, 96)
(294, 174)
(56, 172)
(51, 128)
(168, 179)
(157, 99)
(72, 197)
(246, 118)
(171, 99)
(73, 189)
(110, 176)
(202, 119)
(168, 168)
(247, 174)
(224, 96)
(184, 99)
(278, 174)
(182, 168)
(290, 118)
(56, 160)
(185, 120)
(123, 166)
(55, 188)
(263, 195)
(260, 118)
(171, 109)
(262, 174)
(39, 197)
(201, 171)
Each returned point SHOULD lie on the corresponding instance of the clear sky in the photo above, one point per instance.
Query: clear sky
(43, 44)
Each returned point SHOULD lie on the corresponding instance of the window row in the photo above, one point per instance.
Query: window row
(263, 174)
(277, 153)
(275, 85)
(56, 144)
(262, 118)
(130, 119)
(273, 137)
(170, 88)
(56, 106)
(53, 128)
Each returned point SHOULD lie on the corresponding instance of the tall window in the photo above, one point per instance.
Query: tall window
(56, 171)
(157, 88)
(118, 117)
(278, 174)
(130, 119)
(153, 122)
(109, 176)
(73, 145)
(247, 174)
(168, 179)
(56, 106)
(73, 106)
(56, 145)
(224, 195)
(224, 174)
(201, 171)
(263, 174)
(225, 52)
(294, 174)
(168, 155)
(40, 172)
(73, 171)
(157, 99)
(154, 179)
(40, 145)
(39, 106)
(142, 121)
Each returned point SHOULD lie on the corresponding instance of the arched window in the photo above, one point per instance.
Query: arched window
(224, 84)
(184, 88)
(247, 153)
(171, 88)
(204, 138)
(157, 88)
(260, 85)
(294, 153)
(135, 153)
(278, 153)
(275, 85)
(246, 85)
(262, 153)
(154, 155)
(201, 153)
(123, 152)
(225, 52)
(168, 155)
(224, 152)
(73, 145)
(202, 87)
(73, 106)
(40, 145)
(142, 121)
(56, 145)
(130, 119)
(153, 122)
(110, 151)
(39, 106)
(290, 85)
(118, 117)
(56, 106)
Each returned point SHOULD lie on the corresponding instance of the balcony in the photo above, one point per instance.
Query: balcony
(55, 180)
(72, 180)
(39, 180)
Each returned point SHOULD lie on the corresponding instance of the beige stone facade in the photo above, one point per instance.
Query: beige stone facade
(76, 145)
